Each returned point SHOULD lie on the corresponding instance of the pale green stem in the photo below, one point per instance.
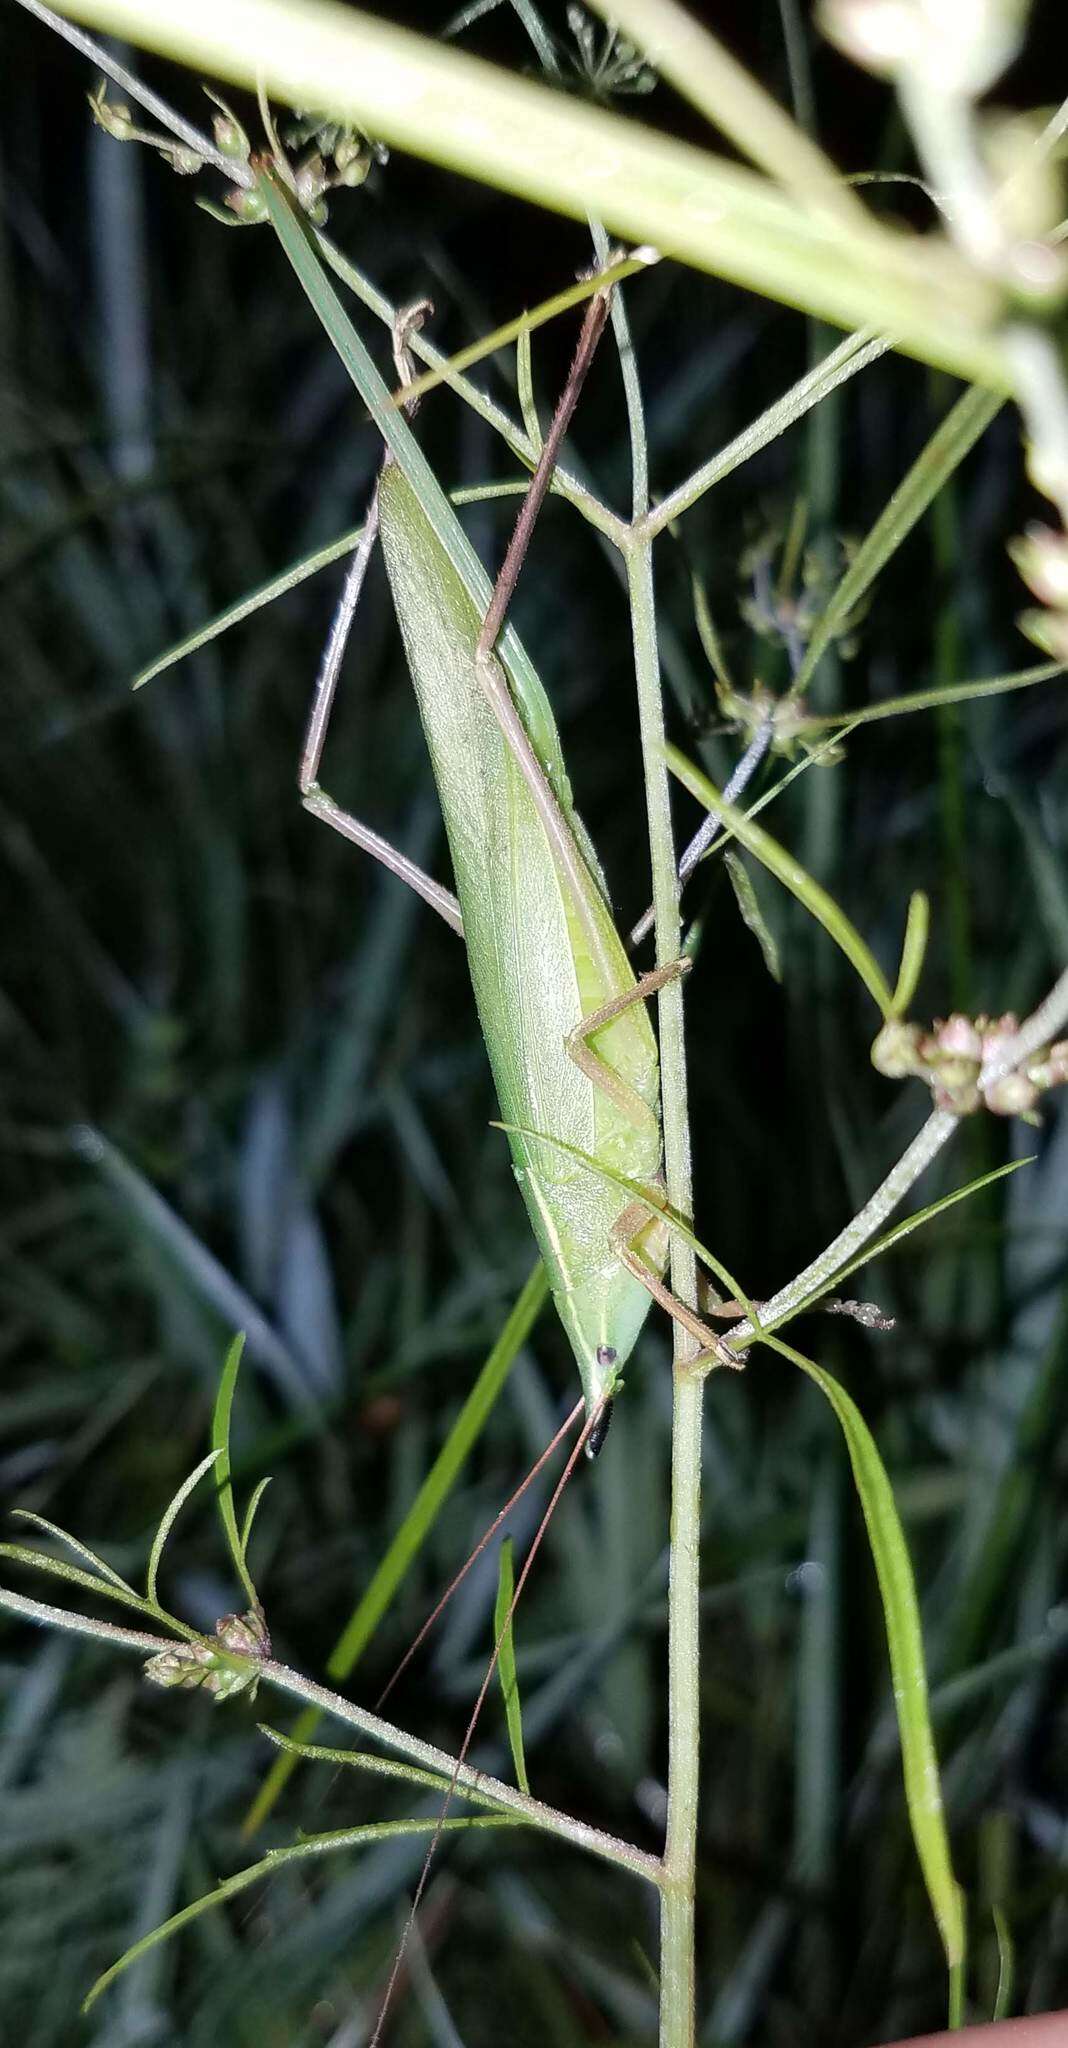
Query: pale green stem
(684, 1576)
(853, 354)
(608, 1847)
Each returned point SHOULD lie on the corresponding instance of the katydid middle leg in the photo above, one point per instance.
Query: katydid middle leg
(315, 799)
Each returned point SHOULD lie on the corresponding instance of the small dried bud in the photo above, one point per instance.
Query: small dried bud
(187, 1664)
(115, 119)
(248, 203)
(1048, 630)
(352, 160)
(310, 181)
(999, 1035)
(958, 1036)
(957, 1091)
(1013, 1095)
(1041, 556)
(185, 161)
(897, 1050)
(1051, 1068)
(230, 137)
(245, 1634)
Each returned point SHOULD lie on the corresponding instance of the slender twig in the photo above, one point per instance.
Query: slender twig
(235, 172)
(677, 1960)
(608, 1847)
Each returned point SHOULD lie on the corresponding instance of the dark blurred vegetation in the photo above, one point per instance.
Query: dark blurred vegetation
(237, 1057)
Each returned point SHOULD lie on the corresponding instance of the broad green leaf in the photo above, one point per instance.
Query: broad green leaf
(791, 874)
(417, 1524)
(506, 1671)
(912, 951)
(220, 1438)
(904, 1637)
(167, 1521)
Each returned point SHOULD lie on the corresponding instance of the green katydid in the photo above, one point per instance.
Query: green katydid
(562, 1011)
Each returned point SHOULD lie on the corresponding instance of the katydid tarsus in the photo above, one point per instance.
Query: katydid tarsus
(562, 1011)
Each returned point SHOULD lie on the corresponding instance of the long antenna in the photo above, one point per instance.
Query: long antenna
(398, 1959)
(480, 1546)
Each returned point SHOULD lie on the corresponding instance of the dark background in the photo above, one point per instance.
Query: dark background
(235, 1057)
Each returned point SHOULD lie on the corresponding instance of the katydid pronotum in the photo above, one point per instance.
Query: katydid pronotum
(562, 1012)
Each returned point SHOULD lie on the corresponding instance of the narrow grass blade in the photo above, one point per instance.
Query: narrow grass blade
(751, 914)
(167, 1522)
(855, 353)
(650, 1199)
(299, 1852)
(522, 327)
(792, 875)
(209, 1279)
(879, 1245)
(904, 1637)
(265, 593)
(417, 1524)
(220, 1438)
(367, 1760)
(250, 1514)
(945, 450)
(293, 234)
(58, 1568)
(1006, 1966)
(525, 387)
(506, 1671)
(72, 1543)
(932, 700)
(913, 949)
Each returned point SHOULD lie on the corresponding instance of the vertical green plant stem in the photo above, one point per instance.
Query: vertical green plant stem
(677, 1907)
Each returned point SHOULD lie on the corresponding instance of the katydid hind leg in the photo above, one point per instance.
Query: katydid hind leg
(315, 799)
(626, 1233)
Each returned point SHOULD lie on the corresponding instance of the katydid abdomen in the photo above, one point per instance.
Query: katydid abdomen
(543, 954)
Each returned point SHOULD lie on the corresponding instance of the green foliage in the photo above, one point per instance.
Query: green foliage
(281, 1056)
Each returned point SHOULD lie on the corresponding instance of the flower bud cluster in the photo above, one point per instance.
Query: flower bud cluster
(958, 1052)
(1041, 556)
(200, 1664)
